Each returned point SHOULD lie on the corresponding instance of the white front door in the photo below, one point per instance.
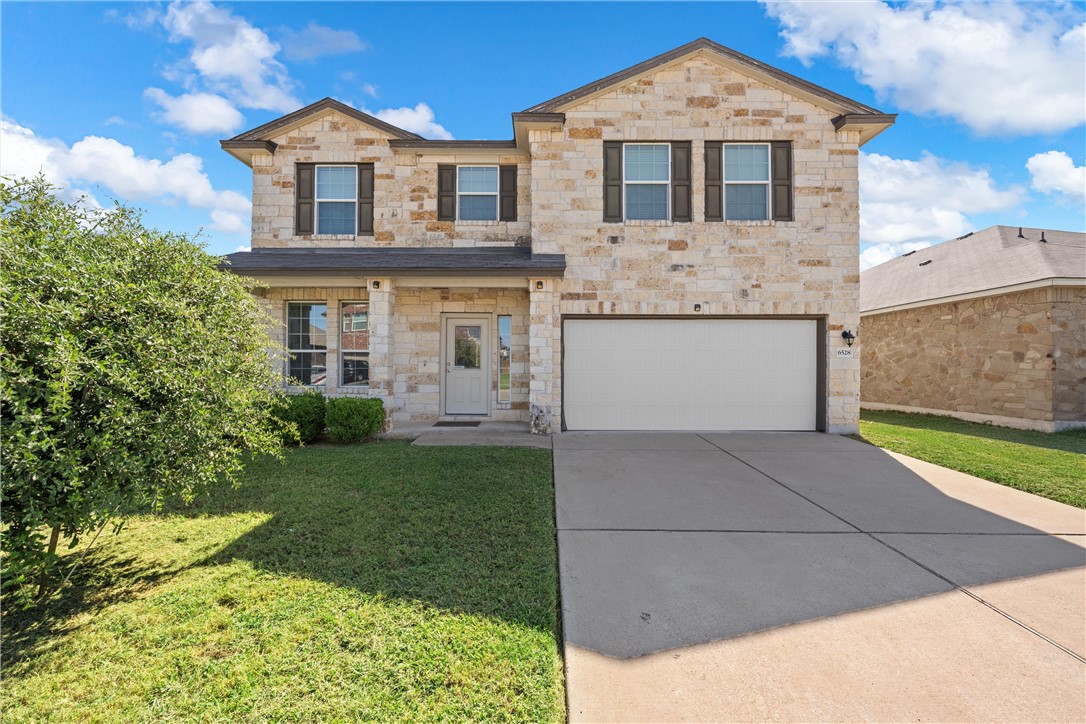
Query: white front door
(467, 366)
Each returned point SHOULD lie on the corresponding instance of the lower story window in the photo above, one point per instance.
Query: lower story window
(354, 344)
(307, 343)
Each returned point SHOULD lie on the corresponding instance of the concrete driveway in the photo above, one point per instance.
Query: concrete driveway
(801, 577)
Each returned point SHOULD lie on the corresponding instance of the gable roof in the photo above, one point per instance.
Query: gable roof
(756, 68)
(973, 265)
(242, 145)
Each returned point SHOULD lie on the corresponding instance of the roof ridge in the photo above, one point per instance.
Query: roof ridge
(326, 103)
(694, 46)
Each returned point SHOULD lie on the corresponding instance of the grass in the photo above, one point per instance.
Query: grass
(1050, 465)
(382, 582)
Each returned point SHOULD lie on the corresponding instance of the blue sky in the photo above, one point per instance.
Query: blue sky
(128, 101)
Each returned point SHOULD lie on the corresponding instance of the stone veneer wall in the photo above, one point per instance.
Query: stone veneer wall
(274, 302)
(808, 266)
(416, 354)
(1013, 356)
(405, 190)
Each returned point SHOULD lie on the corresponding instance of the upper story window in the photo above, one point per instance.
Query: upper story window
(646, 181)
(477, 193)
(337, 195)
(748, 181)
(333, 199)
(646, 177)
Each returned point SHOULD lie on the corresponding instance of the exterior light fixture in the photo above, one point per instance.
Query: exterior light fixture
(848, 336)
(697, 308)
(539, 285)
(376, 284)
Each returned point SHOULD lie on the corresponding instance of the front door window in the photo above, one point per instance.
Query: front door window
(468, 346)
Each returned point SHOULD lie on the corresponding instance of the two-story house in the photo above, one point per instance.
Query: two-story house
(672, 247)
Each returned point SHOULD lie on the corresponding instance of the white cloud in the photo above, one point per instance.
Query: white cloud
(902, 200)
(879, 253)
(230, 56)
(996, 67)
(115, 166)
(1054, 172)
(314, 41)
(419, 119)
(197, 112)
(140, 19)
(369, 89)
(243, 247)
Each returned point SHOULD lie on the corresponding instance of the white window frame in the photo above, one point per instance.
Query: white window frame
(768, 183)
(666, 184)
(317, 199)
(291, 351)
(343, 350)
(497, 193)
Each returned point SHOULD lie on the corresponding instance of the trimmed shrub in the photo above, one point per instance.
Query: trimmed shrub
(302, 416)
(352, 419)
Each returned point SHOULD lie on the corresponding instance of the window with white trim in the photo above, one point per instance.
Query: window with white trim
(337, 199)
(646, 179)
(307, 343)
(746, 181)
(477, 193)
(354, 344)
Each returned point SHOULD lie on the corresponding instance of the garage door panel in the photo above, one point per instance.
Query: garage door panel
(703, 374)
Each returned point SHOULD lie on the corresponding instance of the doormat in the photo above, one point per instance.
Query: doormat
(457, 423)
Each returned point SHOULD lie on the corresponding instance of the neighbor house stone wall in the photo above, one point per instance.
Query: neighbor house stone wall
(417, 317)
(1012, 356)
(405, 190)
(808, 266)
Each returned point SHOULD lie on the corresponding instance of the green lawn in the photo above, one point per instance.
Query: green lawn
(381, 582)
(1049, 465)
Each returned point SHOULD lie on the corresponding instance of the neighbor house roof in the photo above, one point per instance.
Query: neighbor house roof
(474, 261)
(986, 262)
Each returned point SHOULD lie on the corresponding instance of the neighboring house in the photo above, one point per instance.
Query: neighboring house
(989, 327)
(674, 247)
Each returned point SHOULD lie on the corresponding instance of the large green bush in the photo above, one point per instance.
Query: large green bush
(132, 371)
(303, 416)
(352, 419)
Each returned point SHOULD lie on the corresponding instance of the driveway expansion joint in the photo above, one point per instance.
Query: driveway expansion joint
(873, 536)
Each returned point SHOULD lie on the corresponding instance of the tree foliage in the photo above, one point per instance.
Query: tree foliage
(132, 371)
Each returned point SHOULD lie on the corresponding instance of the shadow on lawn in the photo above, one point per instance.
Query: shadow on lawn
(462, 529)
(102, 579)
(1073, 441)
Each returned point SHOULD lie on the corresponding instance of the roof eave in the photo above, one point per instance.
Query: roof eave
(524, 122)
(553, 271)
(244, 150)
(291, 120)
(869, 125)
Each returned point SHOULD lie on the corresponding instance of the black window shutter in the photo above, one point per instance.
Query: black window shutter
(507, 193)
(303, 198)
(680, 181)
(782, 180)
(446, 193)
(612, 181)
(714, 181)
(365, 199)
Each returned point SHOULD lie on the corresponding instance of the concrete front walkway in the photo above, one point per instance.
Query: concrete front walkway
(803, 577)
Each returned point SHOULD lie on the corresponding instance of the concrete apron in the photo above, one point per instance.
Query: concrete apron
(806, 577)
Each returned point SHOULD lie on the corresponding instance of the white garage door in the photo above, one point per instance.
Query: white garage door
(690, 374)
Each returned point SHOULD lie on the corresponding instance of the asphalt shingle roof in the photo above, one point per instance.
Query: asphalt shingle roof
(418, 260)
(986, 260)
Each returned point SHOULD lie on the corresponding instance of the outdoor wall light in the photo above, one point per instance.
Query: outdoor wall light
(539, 285)
(848, 336)
(376, 284)
(697, 307)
